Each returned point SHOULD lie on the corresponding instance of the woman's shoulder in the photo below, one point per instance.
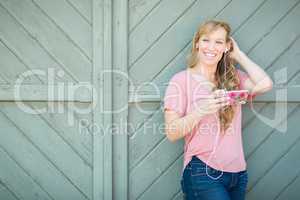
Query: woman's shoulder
(179, 76)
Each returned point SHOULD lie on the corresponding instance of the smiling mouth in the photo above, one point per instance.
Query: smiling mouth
(210, 55)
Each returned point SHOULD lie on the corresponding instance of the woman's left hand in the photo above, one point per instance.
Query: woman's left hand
(234, 50)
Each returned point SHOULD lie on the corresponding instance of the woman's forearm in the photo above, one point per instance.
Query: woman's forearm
(179, 128)
(256, 73)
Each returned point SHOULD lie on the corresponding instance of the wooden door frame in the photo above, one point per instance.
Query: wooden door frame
(110, 52)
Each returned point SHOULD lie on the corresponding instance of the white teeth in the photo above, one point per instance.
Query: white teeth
(210, 54)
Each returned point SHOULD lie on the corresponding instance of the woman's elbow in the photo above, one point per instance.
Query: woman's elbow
(269, 85)
(264, 86)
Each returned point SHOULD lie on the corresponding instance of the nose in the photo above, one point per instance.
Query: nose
(211, 46)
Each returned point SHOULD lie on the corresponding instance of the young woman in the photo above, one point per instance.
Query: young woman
(210, 123)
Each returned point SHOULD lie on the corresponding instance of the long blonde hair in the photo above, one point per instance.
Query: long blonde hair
(225, 75)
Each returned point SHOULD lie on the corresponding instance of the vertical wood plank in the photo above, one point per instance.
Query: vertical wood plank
(120, 101)
(102, 61)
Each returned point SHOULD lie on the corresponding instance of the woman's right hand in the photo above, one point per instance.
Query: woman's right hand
(211, 103)
(177, 127)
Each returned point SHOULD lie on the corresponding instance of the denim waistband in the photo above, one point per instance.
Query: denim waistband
(195, 159)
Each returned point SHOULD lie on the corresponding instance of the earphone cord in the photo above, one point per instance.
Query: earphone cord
(219, 129)
(225, 68)
(214, 151)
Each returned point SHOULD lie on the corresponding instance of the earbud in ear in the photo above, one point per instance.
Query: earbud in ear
(226, 50)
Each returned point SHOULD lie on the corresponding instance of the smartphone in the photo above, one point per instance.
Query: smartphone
(237, 96)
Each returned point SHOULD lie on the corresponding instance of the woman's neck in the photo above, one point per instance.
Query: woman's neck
(207, 71)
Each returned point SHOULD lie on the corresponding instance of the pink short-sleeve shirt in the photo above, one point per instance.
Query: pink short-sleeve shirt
(222, 152)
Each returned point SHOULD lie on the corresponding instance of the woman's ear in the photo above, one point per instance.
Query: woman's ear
(227, 49)
(229, 45)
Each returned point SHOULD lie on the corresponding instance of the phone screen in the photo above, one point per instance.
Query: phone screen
(238, 96)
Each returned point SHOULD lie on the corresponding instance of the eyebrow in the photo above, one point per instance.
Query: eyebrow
(205, 36)
(219, 39)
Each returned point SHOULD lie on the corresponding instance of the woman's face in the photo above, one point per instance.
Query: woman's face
(212, 46)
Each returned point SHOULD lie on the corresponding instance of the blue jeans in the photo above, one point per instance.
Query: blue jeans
(203, 184)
